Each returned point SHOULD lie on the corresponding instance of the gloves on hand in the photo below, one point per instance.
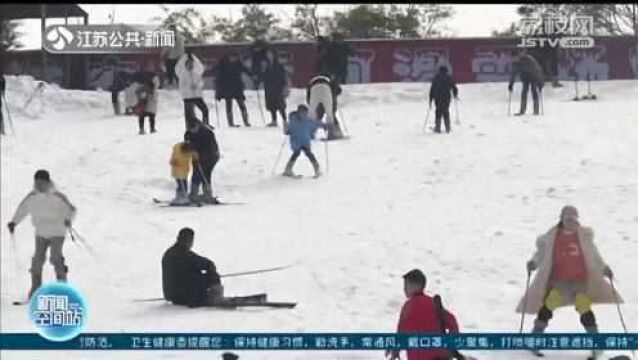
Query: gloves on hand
(608, 273)
(11, 227)
(510, 87)
(531, 266)
(67, 223)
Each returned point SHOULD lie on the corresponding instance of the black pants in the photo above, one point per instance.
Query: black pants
(524, 91)
(273, 114)
(151, 120)
(309, 155)
(171, 77)
(442, 111)
(115, 96)
(189, 109)
(229, 111)
(202, 173)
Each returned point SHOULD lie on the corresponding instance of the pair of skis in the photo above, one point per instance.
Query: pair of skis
(167, 203)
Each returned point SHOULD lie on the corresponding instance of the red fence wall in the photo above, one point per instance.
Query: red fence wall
(470, 60)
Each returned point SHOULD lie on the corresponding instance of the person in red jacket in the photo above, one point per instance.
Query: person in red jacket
(418, 315)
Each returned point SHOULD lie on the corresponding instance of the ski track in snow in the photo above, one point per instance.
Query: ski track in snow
(466, 208)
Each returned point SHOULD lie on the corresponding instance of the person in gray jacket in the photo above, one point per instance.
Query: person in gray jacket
(51, 214)
(531, 75)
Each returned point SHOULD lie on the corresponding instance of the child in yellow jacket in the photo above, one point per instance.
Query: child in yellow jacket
(183, 154)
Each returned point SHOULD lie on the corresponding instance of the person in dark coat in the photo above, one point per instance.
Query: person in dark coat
(322, 56)
(203, 139)
(442, 85)
(275, 88)
(119, 83)
(187, 278)
(338, 53)
(531, 75)
(229, 85)
(258, 59)
(192, 280)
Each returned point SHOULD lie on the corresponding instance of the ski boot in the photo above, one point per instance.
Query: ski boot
(141, 132)
(208, 196)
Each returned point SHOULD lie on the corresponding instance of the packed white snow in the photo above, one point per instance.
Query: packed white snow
(465, 208)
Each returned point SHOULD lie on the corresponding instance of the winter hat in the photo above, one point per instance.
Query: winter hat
(302, 107)
(415, 276)
(42, 175)
(443, 69)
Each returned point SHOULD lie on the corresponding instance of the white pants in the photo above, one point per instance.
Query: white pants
(321, 94)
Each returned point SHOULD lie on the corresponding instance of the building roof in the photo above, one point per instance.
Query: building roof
(34, 11)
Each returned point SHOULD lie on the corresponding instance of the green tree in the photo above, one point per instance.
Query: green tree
(255, 24)
(189, 23)
(307, 24)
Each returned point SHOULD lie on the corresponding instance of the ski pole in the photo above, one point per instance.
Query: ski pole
(261, 110)
(509, 104)
(343, 121)
(281, 148)
(427, 117)
(76, 236)
(325, 143)
(529, 276)
(6, 105)
(252, 272)
(620, 315)
(458, 115)
(217, 113)
(540, 94)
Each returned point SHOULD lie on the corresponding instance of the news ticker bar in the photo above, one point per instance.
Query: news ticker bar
(323, 341)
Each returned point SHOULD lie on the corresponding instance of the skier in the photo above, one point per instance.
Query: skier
(321, 96)
(301, 130)
(2, 88)
(275, 88)
(440, 89)
(419, 315)
(192, 280)
(528, 69)
(229, 85)
(183, 154)
(170, 55)
(51, 214)
(570, 271)
(118, 84)
(147, 105)
(203, 140)
(189, 70)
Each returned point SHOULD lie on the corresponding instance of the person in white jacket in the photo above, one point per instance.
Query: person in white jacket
(190, 70)
(51, 214)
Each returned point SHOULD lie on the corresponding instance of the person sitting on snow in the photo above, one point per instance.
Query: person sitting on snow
(301, 130)
(183, 154)
(192, 280)
(570, 271)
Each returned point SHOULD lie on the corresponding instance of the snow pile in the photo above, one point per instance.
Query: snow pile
(23, 90)
(466, 208)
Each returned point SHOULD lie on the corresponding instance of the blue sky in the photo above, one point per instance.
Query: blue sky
(477, 20)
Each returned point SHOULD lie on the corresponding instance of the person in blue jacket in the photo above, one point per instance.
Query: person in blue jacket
(301, 130)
